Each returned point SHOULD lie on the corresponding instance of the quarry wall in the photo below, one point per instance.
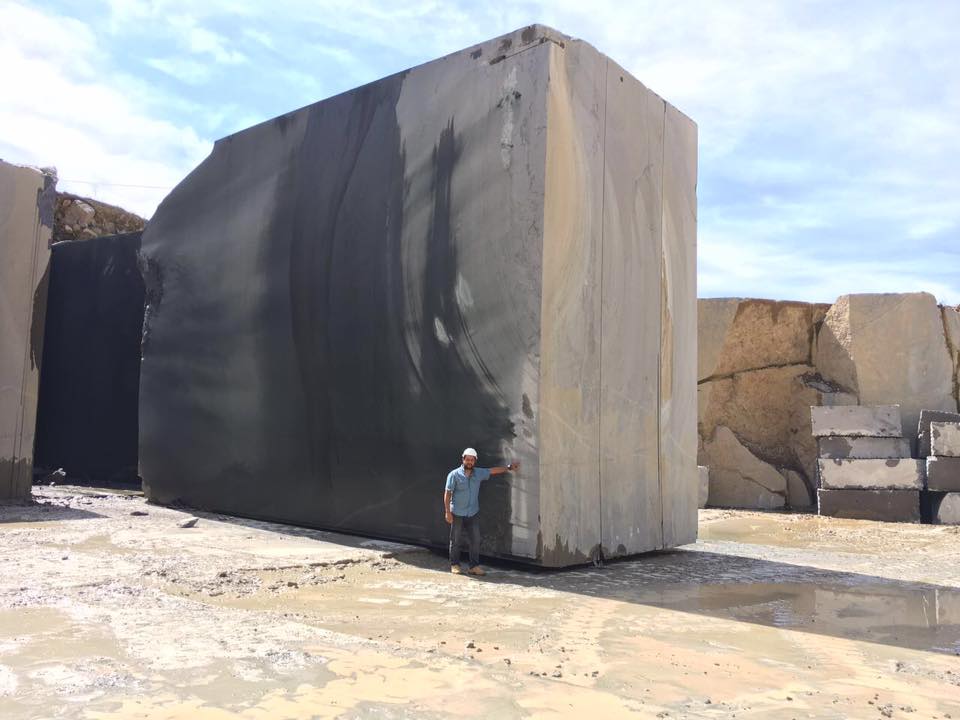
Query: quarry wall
(762, 364)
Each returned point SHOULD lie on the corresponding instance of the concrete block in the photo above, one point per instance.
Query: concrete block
(842, 448)
(890, 474)
(943, 474)
(946, 509)
(924, 448)
(494, 249)
(27, 202)
(856, 421)
(884, 505)
(945, 439)
(704, 474)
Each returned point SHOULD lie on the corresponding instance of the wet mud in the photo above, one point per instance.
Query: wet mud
(105, 614)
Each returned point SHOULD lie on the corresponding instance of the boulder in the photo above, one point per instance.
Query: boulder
(890, 474)
(738, 478)
(945, 438)
(951, 328)
(888, 349)
(882, 421)
(798, 492)
(885, 505)
(737, 335)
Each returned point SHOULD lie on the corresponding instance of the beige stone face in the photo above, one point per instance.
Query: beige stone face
(738, 478)
(26, 224)
(749, 334)
(945, 438)
(889, 349)
(769, 410)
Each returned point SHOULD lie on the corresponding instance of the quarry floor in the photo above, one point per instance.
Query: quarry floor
(109, 614)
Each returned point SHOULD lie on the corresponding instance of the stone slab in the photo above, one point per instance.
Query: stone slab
(438, 259)
(856, 421)
(27, 200)
(704, 476)
(946, 509)
(883, 505)
(923, 428)
(890, 474)
(738, 478)
(943, 474)
(945, 438)
(87, 416)
(840, 448)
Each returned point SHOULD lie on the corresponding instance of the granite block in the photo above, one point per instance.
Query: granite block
(840, 448)
(884, 505)
(889, 474)
(856, 421)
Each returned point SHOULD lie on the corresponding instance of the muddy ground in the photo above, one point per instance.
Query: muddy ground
(107, 612)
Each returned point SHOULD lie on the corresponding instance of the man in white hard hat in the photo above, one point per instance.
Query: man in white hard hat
(461, 507)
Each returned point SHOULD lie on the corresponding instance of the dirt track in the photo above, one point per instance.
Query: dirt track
(105, 614)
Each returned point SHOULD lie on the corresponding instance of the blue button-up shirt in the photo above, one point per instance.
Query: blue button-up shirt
(466, 490)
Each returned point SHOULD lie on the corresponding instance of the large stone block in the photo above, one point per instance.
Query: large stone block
(493, 249)
(841, 448)
(945, 438)
(884, 505)
(87, 416)
(744, 334)
(890, 474)
(740, 479)
(924, 447)
(27, 198)
(946, 509)
(943, 474)
(889, 349)
(769, 410)
(951, 328)
(857, 421)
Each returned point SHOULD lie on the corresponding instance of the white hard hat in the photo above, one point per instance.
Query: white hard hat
(469, 451)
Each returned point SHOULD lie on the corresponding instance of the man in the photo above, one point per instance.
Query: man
(461, 507)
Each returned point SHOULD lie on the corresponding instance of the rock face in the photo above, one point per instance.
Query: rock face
(26, 221)
(87, 416)
(946, 509)
(738, 478)
(493, 249)
(80, 218)
(927, 418)
(945, 438)
(763, 364)
(889, 349)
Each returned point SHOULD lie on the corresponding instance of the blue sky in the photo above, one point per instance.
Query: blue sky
(829, 131)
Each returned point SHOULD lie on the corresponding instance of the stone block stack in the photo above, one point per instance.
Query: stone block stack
(865, 468)
(939, 443)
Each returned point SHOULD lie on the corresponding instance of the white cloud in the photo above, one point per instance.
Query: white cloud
(62, 107)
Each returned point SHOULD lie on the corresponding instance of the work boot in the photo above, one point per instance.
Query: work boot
(477, 570)
(456, 570)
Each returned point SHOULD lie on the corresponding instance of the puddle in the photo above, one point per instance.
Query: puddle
(909, 616)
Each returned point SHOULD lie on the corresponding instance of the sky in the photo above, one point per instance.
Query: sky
(829, 132)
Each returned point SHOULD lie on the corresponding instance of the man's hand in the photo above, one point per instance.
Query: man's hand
(449, 517)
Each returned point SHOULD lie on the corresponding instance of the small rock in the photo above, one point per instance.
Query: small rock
(557, 673)
(65, 557)
(471, 645)
(188, 523)
(507, 661)
(139, 513)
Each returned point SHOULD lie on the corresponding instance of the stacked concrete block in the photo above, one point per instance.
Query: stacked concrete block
(865, 468)
(942, 440)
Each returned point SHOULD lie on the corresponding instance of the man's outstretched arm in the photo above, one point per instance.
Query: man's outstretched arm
(500, 470)
(447, 497)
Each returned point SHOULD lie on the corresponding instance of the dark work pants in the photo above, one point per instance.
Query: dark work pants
(469, 526)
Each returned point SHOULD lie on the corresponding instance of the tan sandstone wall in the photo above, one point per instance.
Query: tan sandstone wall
(763, 363)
